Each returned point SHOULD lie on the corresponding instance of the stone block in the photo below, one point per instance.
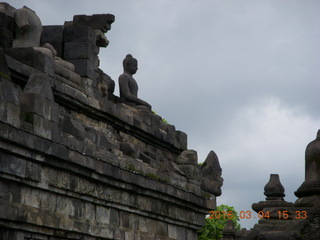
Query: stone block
(39, 83)
(10, 113)
(67, 74)
(54, 36)
(12, 165)
(73, 92)
(182, 140)
(9, 91)
(41, 126)
(30, 197)
(93, 102)
(89, 212)
(6, 30)
(33, 171)
(188, 157)
(181, 233)
(50, 221)
(48, 202)
(78, 208)
(34, 103)
(79, 34)
(65, 206)
(6, 21)
(4, 70)
(6, 38)
(79, 50)
(33, 59)
(85, 68)
(102, 215)
(74, 128)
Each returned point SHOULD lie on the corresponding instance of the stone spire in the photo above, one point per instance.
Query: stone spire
(274, 189)
(309, 192)
(274, 192)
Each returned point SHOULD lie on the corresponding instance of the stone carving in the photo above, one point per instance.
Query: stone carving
(128, 85)
(274, 192)
(29, 28)
(28, 33)
(229, 231)
(274, 188)
(101, 23)
(309, 191)
(187, 164)
(211, 175)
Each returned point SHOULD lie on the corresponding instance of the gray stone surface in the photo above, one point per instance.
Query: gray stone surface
(54, 36)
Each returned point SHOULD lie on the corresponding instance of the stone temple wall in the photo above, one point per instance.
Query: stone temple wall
(75, 163)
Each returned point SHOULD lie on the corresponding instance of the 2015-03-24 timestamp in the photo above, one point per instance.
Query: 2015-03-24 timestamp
(260, 214)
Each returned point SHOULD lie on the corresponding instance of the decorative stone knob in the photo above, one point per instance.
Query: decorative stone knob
(274, 189)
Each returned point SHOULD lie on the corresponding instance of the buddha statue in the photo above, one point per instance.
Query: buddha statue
(128, 85)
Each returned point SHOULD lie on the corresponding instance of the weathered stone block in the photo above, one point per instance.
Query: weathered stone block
(66, 73)
(33, 171)
(79, 50)
(102, 215)
(6, 30)
(41, 126)
(74, 128)
(30, 197)
(10, 113)
(85, 68)
(38, 83)
(50, 221)
(33, 59)
(9, 91)
(79, 34)
(48, 202)
(75, 93)
(54, 36)
(6, 38)
(89, 212)
(12, 165)
(65, 206)
(182, 139)
(4, 70)
(6, 21)
(34, 103)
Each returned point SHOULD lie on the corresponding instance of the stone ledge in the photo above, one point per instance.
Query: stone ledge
(47, 152)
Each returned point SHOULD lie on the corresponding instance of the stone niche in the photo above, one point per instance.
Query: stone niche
(75, 163)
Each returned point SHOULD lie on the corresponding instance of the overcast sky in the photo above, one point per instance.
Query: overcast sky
(240, 77)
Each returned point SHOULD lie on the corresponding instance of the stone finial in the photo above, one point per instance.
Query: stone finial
(311, 185)
(274, 192)
(211, 175)
(229, 231)
(274, 189)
